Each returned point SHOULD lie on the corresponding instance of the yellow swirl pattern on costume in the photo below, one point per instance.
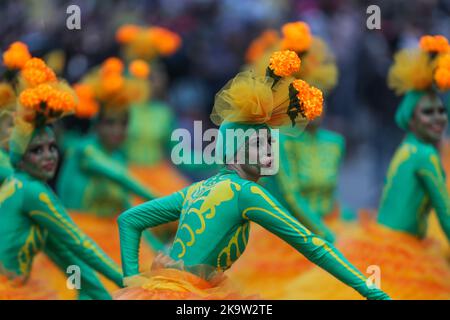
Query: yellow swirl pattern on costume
(211, 199)
(33, 243)
(234, 242)
(8, 189)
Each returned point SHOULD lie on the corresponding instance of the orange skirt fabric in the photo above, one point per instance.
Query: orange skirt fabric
(174, 284)
(30, 290)
(409, 268)
(105, 233)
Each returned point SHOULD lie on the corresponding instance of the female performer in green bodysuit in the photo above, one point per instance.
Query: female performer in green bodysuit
(396, 247)
(32, 219)
(215, 214)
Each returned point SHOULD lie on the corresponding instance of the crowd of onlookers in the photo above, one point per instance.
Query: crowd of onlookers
(215, 36)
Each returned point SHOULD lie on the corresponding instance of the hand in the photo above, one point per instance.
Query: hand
(162, 261)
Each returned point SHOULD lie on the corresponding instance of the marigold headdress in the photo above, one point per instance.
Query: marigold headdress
(112, 88)
(318, 63)
(147, 43)
(416, 71)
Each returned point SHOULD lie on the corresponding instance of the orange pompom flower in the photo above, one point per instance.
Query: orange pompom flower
(16, 56)
(165, 41)
(444, 61)
(284, 63)
(36, 72)
(45, 98)
(442, 78)
(296, 36)
(127, 33)
(139, 68)
(87, 105)
(306, 100)
(112, 83)
(112, 65)
(437, 44)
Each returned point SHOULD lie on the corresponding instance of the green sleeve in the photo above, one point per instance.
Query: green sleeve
(259, 206)
(5, 172)
(432, 177)
(287, 183)
(46, 210)
(91, 287)
(147, 215)
(94, 162)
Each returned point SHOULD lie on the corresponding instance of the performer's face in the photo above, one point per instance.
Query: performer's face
(259, 148)
(112, 129)
(42, 156)
(430, 119)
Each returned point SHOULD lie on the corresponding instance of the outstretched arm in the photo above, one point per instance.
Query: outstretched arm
(257, 205)
(286, 181)
(432, 177)
(95, 162)
(147, 215)
(44, 208)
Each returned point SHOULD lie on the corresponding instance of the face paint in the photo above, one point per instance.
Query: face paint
(112, 129)
(42, 156)
(258, 153)
(430, 119)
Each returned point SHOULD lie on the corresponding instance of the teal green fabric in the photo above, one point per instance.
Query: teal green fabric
(285, 187)
(415, 183)
(6, 168)
(214, 220)
(95, 181)
(405, 110)
(31, 216)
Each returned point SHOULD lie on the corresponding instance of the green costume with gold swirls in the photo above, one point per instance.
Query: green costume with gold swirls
(96, 181)
(415, 183)
(6, 168)
(33, 219)
(213, 230)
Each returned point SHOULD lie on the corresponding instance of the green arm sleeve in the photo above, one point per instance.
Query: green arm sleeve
(147, 215)
(5, 172)
(47, 211)
(432, 178)
(91, 287)
(286, 180)
(93, 161)
(257, 205)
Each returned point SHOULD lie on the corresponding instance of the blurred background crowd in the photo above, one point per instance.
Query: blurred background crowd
(216, 34)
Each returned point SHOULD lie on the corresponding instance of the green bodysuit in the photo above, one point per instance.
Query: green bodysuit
(149, 131)
(214, 218)
(6, 168)
(284, 186)
(415, 183)
(33, 219)
(95, 181)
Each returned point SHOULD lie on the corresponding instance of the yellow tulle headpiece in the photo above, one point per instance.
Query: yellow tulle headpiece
(420, 68)
(268, 99)
(114, 90)
(318, 63)
(7, 97)
(147, 43)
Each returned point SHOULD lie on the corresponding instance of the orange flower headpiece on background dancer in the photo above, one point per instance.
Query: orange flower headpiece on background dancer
(147, 43)
(318, 63)
(109, 87)
(417, 71)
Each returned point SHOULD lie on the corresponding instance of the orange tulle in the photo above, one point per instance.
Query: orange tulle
(30, 290)
(409, 268)
(174, 284)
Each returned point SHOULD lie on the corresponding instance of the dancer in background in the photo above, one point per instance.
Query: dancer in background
(32, 218)
(408, 264)
(215, 214)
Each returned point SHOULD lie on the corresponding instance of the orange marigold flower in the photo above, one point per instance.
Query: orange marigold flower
(437, 43)
(127, 33)
(36, 72)
(45, 98)
(311, 99)
(16, 56)
(258, 46)
(284, 63)
(165, 41)
(139, 69)
(296, 36)
(87, 105)
(444, 61)
(112, 66)
(7, 95)
(442, 78)
(112, 83)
